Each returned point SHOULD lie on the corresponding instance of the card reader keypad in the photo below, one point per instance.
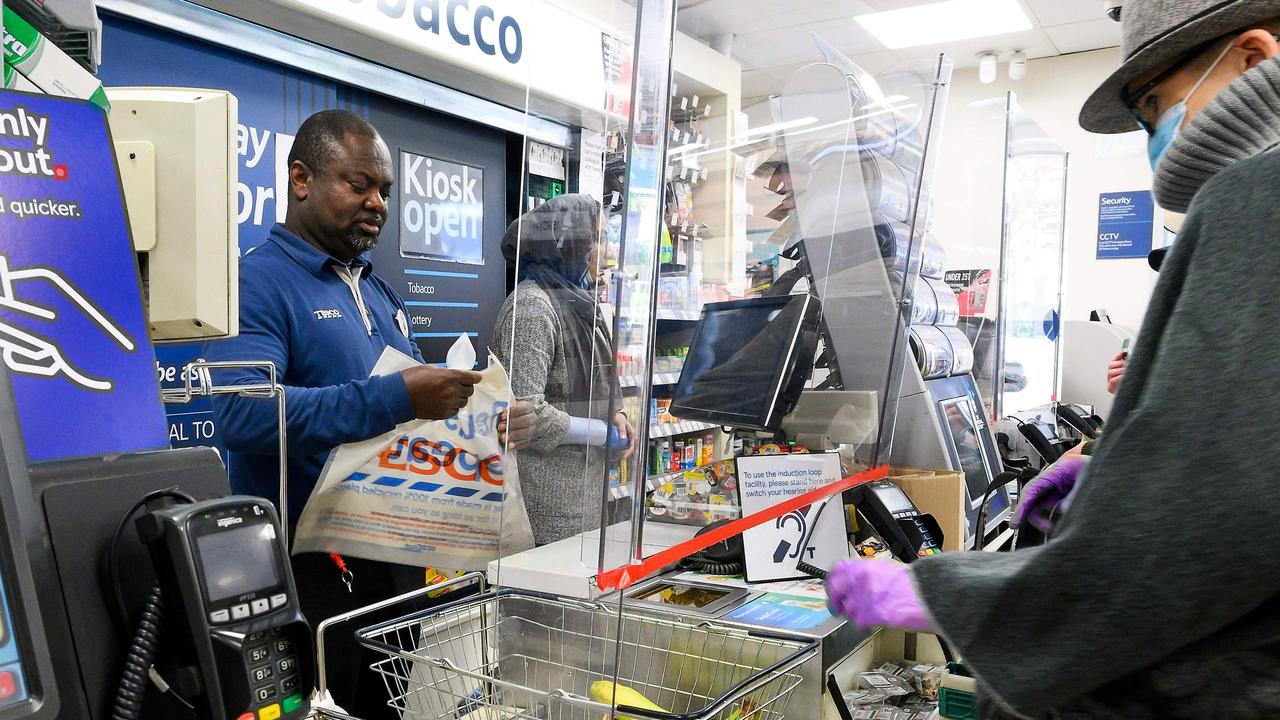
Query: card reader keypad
(261, 606)
(929, 546)
(273, 675)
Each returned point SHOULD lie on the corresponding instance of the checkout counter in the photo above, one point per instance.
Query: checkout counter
(824, 359)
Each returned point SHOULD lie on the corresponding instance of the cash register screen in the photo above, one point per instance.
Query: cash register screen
(239, 561)
(12, 685)
(740, 350)
(894, 500)
(963, 427)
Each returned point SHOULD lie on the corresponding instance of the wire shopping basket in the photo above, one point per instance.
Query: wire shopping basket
(512, 654)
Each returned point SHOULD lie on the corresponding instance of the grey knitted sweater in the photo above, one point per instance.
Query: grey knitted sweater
(1160, 596)
(1240, 122)
(562, 484)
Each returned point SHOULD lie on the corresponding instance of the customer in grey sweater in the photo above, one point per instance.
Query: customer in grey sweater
(557, 348)
(1159, 594)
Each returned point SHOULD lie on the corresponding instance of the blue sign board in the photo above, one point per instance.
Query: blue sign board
(72, 329)
(1125, 223)
(451, 281)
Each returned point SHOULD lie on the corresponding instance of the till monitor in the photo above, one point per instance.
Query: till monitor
(748, 362)
(971, 446)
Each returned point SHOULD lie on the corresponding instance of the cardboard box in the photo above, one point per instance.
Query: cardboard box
(14, 80)
(941, 493)
(46, 65)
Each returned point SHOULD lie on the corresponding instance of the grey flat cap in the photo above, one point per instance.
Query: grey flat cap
(1158, 32)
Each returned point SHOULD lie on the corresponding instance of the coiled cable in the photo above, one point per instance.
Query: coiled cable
(137, 663)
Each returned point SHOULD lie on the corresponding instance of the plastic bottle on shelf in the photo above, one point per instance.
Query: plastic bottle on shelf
(677, 456)
(697, 452)
(689, 448)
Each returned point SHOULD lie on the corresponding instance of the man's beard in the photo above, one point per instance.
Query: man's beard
(359, 241)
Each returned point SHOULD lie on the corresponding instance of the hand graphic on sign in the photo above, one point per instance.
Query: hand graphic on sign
(29, 354)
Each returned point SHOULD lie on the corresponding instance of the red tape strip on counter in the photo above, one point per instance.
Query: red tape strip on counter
(628, 575)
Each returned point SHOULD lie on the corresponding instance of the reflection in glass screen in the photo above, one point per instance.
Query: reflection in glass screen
(962, 422)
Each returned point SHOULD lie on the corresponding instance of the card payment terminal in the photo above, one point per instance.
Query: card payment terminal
(909, 533)
(222, 566)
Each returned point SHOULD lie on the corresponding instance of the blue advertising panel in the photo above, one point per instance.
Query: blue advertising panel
(445, 297)
(72, 329)
(1125, 224)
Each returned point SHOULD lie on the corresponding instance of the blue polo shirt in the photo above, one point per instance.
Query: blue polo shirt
(298, 312)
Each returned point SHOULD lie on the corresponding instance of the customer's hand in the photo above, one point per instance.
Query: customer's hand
(439, 393)
(1115, 372)
(1045, 493)
(875, 592)
(515, 426)
(626, 432)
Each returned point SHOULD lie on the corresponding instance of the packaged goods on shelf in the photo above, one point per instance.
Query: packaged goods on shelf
(43, 63)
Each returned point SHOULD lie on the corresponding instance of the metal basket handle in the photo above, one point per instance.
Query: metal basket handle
(322, 682)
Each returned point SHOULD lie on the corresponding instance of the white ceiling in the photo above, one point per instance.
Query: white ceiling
(772, 38)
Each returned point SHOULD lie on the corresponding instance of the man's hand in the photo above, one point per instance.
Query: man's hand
(1115, 372)
(626, 432)
(439, 393)
(515, 426)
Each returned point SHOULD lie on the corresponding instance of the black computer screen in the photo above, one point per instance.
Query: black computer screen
(736, 363)
(963, 428)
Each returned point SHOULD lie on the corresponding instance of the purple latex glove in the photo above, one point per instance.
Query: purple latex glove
(875, 592)
(1041, 496)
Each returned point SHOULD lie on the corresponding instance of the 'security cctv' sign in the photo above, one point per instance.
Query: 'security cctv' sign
(441, 209)
(1125, 223)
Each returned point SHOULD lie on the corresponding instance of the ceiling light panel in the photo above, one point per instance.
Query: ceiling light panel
(944, 22)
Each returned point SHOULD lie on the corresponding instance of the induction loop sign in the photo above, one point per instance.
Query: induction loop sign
(628, 575)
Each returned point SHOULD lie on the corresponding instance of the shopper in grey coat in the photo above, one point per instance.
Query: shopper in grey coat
(1158, 595)
(557, 349)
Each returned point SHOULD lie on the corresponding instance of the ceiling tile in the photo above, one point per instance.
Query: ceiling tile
(882, 5)
(795, 44)
(743, 17)
(1080, 37)
(1058, 12)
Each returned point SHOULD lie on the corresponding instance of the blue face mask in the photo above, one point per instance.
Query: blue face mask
(1168, 127)
(1169, 124)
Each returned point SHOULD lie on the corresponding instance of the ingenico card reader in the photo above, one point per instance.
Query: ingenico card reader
(224, 573)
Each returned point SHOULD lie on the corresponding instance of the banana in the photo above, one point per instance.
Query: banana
(604, 691)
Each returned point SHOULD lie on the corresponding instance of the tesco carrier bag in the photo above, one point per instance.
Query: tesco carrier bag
(430, 493)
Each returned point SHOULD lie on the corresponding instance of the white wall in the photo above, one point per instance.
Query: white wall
(1053, 92)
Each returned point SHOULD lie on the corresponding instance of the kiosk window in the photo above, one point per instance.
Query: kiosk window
(238, 561)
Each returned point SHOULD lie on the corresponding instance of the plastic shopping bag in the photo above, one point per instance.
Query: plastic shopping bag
(431, 493)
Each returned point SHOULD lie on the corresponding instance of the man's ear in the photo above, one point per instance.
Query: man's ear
(1258, 45)
(299, 180)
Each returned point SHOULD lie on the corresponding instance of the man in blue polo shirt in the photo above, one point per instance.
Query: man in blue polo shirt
(310, 303)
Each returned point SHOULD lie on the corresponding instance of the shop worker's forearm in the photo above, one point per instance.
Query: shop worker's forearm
(318, 419)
